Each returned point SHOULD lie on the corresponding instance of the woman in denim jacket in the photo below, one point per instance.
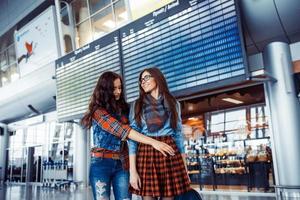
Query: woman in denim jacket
(107, 115)
(156, 113)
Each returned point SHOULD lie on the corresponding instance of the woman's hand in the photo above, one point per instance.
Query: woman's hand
(183, 155)
(159, 146)
(134, 180)
(163, 148)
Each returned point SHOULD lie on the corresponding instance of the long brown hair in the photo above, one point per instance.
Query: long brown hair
(103, 97)
(163, 90)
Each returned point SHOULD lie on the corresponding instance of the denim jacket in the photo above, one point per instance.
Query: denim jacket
(108, 130)
(166, 130)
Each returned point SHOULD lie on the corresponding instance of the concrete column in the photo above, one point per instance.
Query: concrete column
(29, 164)
(80, 155)
(84, 33)
(4, 138)
(59, 27)
(285, 115)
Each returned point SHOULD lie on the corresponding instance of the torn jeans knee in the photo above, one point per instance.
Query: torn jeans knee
(101, 191)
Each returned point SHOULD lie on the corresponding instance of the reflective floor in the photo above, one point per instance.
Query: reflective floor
(22, 192)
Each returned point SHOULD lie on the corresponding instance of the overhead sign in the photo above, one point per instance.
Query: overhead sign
(194, 43)
(197, 44)
(36, 43)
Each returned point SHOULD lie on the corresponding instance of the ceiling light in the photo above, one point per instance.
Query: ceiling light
(190, 107)
(231, 100)
(109, 24)
(192, 118)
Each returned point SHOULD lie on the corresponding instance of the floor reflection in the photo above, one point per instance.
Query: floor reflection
(33, 192)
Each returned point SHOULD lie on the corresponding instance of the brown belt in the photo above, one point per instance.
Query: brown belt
(114, 156)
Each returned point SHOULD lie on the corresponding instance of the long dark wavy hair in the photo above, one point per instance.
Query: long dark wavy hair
(163, 90)
(103, 97)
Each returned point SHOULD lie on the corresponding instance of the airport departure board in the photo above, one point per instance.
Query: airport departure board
(193, 43)
(77, 74)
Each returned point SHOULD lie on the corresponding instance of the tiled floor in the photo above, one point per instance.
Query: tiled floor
(22, 192)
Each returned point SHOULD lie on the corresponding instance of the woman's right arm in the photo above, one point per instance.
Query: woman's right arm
(160, 146)
(122, 131)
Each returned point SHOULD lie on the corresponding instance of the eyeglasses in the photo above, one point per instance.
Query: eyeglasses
(146, 78)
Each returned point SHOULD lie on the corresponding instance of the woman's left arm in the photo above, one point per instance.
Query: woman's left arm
(178, 137)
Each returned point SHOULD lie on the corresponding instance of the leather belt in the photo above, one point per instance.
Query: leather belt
(114, 156)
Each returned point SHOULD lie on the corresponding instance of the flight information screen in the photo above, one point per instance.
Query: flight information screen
(77, 74)
(196, 43)
(193, 42)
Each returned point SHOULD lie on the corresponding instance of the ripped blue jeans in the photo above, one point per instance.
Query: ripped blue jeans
(105, 172)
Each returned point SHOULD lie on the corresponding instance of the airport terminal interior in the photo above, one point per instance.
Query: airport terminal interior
(233, 65)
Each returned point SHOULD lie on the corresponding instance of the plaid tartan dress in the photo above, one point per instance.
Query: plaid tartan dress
(161, 176)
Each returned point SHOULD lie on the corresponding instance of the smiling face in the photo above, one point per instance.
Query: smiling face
(147, 82)
(117, 89)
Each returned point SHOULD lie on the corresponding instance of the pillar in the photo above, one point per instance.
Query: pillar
(4, 138)
(284, 110)
(81, 156)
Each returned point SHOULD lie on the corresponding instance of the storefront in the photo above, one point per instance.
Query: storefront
(228, 140)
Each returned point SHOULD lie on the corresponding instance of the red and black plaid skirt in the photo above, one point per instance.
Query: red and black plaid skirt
(161, 176)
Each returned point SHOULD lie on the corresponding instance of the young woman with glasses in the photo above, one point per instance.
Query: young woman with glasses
(156, 114)
(107, 115)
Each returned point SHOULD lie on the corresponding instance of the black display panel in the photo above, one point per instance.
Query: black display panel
(193, 42)
(78, 72)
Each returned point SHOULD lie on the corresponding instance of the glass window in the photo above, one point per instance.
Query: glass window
(4, 75)
(3, 59)
(64, 15)
(31, 136)
(96, 5)
(17, 140)
(103, 22)
(41, 134)
(83, 33)
(68, 43)
(258, 118)
(80, 10)
(50, 139)
(236, 115)
(9, 74)
(217, 118)
(7, 39)
(14, 72)
(120, 13)
(259, 122)
(11, 54)
(217, 122)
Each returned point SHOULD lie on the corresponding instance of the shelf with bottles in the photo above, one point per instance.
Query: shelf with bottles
(192, 160)
(230, 162)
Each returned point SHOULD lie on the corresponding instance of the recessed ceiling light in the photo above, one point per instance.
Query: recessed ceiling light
(192, 118)
(190, 107)
(231, 100)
